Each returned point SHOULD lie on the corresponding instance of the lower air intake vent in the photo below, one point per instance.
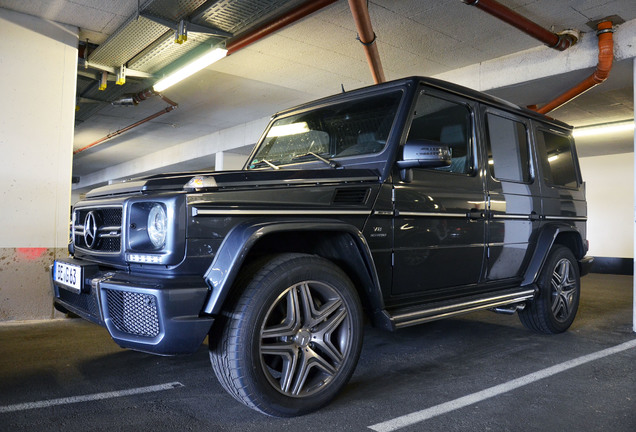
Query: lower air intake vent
(351, 196)
(133, 313)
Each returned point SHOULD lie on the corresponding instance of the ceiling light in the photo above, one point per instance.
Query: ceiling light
(190, 68)
(603, 129)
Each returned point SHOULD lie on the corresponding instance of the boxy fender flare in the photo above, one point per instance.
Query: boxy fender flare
(236, 246)
(547, 237)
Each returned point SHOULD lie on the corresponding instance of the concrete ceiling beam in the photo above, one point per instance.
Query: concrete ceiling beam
(541, 62)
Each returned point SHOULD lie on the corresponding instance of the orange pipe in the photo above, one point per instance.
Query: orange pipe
(366, 36)
(290, 17)
(173, 105)
(603, 68)
(559, 42)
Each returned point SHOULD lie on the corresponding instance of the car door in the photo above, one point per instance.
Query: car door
(514, 198)
(439, 225)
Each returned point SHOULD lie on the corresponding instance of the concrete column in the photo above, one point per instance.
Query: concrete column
(225, 161)
(39, 66)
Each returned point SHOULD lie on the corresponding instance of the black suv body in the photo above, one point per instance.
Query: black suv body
(405, 202)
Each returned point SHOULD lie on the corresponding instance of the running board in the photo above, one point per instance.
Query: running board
(434, 311)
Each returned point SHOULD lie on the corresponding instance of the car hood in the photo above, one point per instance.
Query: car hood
(235, 179)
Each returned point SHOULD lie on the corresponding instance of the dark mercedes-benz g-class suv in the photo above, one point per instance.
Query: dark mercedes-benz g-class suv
(404, 202)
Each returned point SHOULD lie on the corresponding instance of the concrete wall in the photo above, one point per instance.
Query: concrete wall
(610, 192)
(38, 60)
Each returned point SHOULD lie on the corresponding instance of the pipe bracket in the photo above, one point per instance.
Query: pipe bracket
(367, 43)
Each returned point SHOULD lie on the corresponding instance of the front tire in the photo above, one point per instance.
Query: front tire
(293, 338)
(555, 307)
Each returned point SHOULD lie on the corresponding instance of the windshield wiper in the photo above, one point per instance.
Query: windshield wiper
(265, 162)
(332, 164)
(270, 164)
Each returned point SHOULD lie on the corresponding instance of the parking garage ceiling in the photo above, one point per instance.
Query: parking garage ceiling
(313, 57)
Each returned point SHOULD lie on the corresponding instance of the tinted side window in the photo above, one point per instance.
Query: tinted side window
(558, 160)
(508, 153)
(448, 123)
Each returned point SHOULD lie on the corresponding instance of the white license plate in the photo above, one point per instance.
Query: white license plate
(68, 275)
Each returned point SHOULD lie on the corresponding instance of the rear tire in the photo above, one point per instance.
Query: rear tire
(555, 307)
(292, 339)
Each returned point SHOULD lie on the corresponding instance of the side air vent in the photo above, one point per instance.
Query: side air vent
(351, 196)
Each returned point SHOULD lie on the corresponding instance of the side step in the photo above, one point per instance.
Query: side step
(414, 315)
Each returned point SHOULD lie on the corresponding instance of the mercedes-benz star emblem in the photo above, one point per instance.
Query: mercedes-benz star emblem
(90, 230)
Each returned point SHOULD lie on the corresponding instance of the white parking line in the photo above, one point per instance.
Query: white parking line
(420, 416)
(86, 398)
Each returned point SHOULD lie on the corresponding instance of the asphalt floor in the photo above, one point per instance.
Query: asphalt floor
(478, 372)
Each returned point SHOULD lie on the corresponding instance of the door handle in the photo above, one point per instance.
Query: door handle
(474, 214)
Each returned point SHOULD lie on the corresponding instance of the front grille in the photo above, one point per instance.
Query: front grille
(133, 313)
(107, 237)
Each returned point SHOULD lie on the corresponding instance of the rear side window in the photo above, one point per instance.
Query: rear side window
(558, 160)
(508, 153)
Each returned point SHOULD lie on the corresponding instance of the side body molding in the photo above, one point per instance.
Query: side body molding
(236, 246)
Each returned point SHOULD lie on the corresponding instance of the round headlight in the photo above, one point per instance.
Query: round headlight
(157, 225)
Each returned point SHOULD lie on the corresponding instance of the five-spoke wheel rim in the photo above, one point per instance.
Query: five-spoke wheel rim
(564, 288)
(305, 338)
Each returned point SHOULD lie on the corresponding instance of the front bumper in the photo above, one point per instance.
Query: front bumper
(147, 313)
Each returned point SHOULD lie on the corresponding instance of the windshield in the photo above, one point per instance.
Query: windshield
(350, 128)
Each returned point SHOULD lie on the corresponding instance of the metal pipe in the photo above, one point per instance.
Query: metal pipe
(290, 17)
(559, 42)
(367, 38)
(173, 105)
(168, 101)
(603, 68)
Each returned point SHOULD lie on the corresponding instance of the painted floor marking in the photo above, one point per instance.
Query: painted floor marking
(91, 397)
(428, 413)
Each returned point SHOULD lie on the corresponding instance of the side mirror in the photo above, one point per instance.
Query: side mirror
(424, 154)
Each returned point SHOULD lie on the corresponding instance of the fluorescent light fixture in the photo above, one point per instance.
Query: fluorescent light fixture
(288, 129)
(603, 129)
(193, 67)
(553, 158)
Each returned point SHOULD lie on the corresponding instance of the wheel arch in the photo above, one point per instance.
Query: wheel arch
(550, 235)
(336, 241)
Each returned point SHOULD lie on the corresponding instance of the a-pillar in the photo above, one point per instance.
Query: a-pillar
(39, 65)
